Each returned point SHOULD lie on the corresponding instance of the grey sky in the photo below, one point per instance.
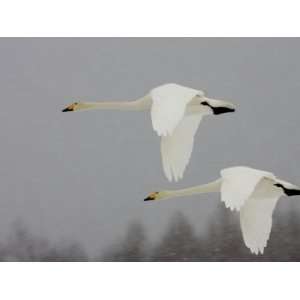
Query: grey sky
(83, 176)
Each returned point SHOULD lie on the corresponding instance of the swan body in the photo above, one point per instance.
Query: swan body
(254, 193)
(176, 112)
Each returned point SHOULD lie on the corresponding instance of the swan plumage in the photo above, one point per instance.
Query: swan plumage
(254, 193)
(176, 112)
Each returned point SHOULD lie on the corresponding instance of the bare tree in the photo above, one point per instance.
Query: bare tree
(21, 245)
(179, 243)
(131, 248)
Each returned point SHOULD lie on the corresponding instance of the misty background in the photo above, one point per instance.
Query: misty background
(78, 180)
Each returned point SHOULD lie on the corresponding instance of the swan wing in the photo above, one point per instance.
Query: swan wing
(238, 183)
(256, 215)
(168, 106)
(176, 149)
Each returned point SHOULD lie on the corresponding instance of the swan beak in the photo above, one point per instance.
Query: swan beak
(151, 197)
(70, 107)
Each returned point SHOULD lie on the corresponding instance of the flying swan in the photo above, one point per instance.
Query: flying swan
(254, 193)
(176, 112)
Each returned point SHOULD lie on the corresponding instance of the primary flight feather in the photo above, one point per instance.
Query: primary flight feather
(176, 112)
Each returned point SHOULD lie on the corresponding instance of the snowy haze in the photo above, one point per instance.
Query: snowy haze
(83, 176)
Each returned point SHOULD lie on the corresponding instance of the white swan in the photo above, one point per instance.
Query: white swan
(176, 112)
(252, 192)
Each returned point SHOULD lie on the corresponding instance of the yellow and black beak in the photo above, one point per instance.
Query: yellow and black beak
(70, 107)
(151, 197)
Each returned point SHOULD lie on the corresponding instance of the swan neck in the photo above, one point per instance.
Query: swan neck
(139, 104)
(211, 187)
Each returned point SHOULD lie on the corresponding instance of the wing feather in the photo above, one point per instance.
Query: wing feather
(176, 149)
(238, 183)
(168, 107)
(256, 215)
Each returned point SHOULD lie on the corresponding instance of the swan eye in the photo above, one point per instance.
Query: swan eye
(205, 103)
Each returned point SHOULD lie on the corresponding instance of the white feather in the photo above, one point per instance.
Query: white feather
(176, 149)
(168, 108)
(238, 183)
(256, 215)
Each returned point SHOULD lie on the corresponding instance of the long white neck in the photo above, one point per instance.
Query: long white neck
(211, 187)
(137, 105)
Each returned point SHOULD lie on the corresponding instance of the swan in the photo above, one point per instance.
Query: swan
(254, 193)
(176, 112)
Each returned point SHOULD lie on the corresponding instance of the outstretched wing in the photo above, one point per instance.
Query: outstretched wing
(176, 149)
(238, 183)
(256, 215)
(168, 107)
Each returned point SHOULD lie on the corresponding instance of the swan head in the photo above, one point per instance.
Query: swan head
(72, 107)
(156, 196)
(218, 107)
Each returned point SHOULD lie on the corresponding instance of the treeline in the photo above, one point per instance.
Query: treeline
(21, 245)
(222, 241)
(179, 242)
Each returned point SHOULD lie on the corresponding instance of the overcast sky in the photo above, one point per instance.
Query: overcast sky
(83, 176)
